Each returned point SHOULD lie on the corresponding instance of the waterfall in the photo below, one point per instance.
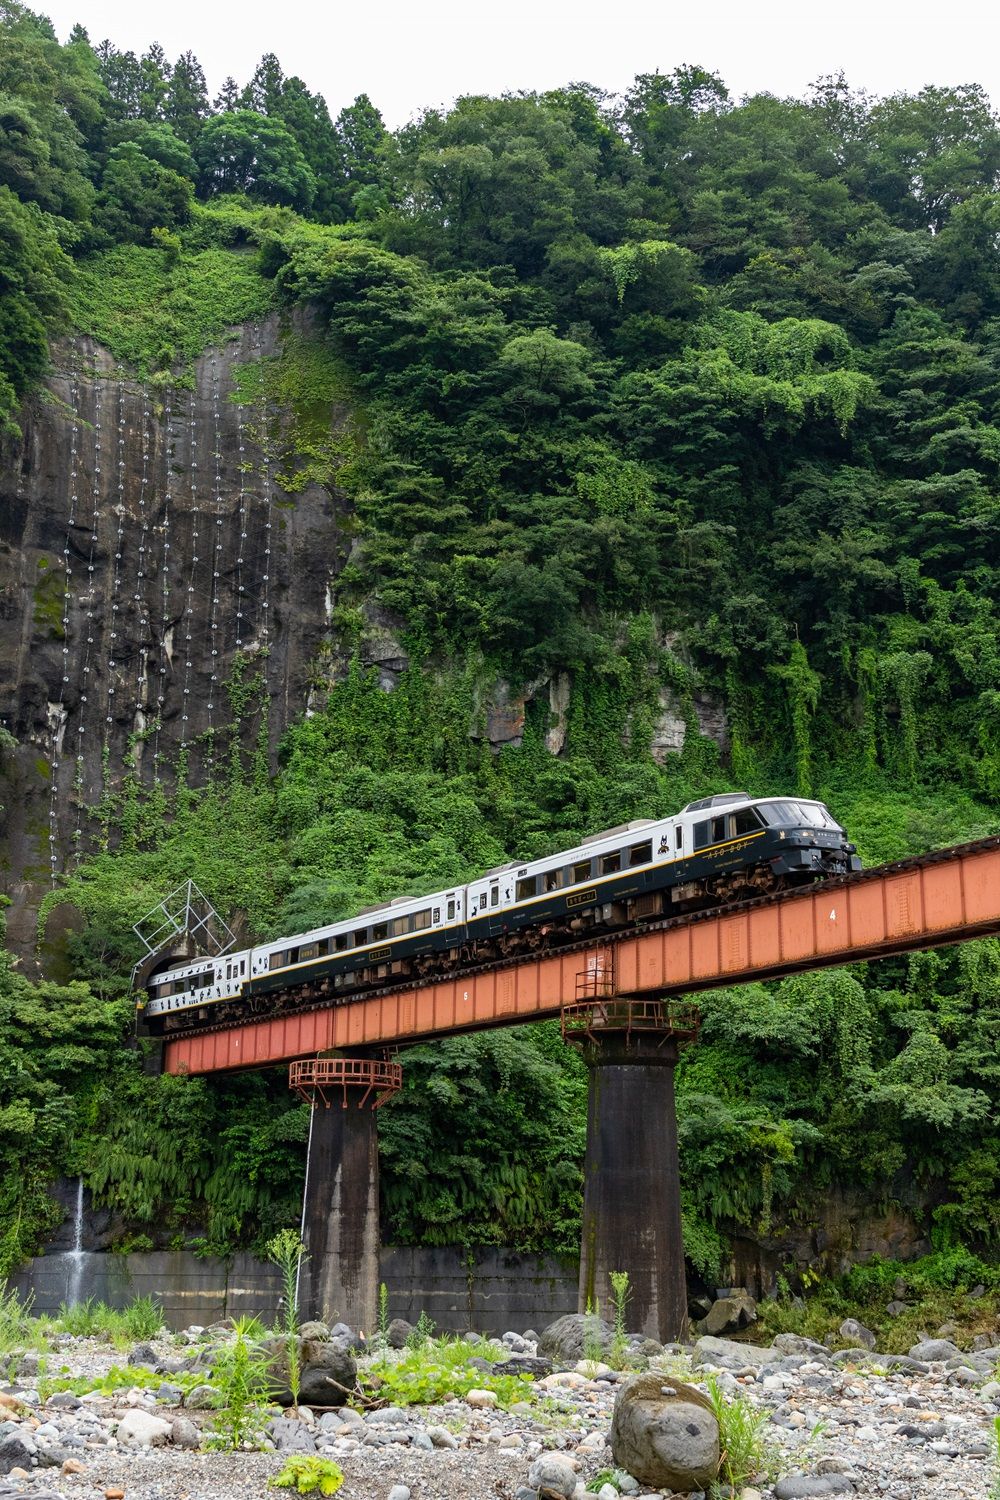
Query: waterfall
(74, 1280)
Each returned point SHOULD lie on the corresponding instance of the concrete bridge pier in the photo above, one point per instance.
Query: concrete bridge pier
(631, 1204)
(339, 1277)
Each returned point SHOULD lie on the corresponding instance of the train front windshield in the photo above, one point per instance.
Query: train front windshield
(797, 814)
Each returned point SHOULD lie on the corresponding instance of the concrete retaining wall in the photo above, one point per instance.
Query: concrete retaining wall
(489, 1290)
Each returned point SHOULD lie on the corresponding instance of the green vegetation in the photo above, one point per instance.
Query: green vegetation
(308, 1474)
(439, 1370)
(664, 410)
(745, 1451)
(240, 1374)
(140, 1319)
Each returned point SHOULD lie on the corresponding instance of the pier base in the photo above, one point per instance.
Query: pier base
(632, 1205)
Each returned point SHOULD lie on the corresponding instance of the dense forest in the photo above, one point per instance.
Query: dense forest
(676, 395)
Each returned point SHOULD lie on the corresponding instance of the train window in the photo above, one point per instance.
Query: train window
(400, 925)
(525, 889)
(640, 854)
(308, 950)
(611, 862)
(702, 835)
(745, 821)
(323, 946)
(361, 937)
(276, 961)
(380, 932)
(581, 872)
(243, 965)
(494, 895)
(553, 879)
(436, 915)
(421, 919)
(679, 836)
(342, 941)
(451, 910)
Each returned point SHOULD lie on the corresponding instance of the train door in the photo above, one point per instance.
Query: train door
(478, 903)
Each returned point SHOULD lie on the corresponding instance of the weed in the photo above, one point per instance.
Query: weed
(18, 1329)
(287, 1252)
(745, 1452)
(383, 1312)
(306, 1473)
(995, 1485)
(115, 1379)
(614, 1477)
(420, 1335)
(621, 1294)
(593, 1344)
(241, 1376)
(141, 1319)
(440, 1371)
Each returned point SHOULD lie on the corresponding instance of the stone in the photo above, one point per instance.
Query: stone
(749, 1493)
(804, 1486)
(664, 1432)
(552, 1477)
(201, 1398)
(856, 1334)
(328, 1371)
(569, 1337)
(397, 1333)
(314, 1330)
(73, 1466)
(477, 1397)
(184, 1434)
(794, 1343)
(442, 1438)
(593, 1369)
(114, 1494)
(399, 1492)
(63, 1401)
(140, 1429)
(934, 1351)
(15, 1453)
(728, 1354)
(170, 1395)
(991, 1391)
(145, 1355)
(730, 1313)
(290, 1436)
(896, 1309)
(524, 1364)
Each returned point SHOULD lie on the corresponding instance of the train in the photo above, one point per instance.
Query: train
(726, 848)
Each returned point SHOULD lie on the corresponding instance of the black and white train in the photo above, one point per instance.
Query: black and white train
(722, 849)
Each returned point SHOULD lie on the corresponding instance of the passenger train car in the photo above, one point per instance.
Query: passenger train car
(721, 849)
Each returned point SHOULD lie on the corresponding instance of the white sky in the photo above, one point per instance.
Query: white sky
(408, 54)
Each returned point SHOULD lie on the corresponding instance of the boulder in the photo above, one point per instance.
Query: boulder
(730, 1355)
(397, 1333)
(15, 1453)
(934, 1350)
(140, 1429)
(327, 1371)
(184, 1434)
(794, 1343)
(145, 1355)
(728, 1314)
(664, 1432)
(805, 1486)
(896, 1309)
(857, 1335)
(290, 1436)
(314, 1330)
(569, 1337)
(552, 1477)
(201, 1398)
(524, 1364)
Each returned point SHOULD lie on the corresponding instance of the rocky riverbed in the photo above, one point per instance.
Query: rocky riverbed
(917, 1427)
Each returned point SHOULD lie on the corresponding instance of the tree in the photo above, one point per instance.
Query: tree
(138, 194)
(244, 152)
(186, 105)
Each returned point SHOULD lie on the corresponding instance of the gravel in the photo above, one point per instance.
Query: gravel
(868, 1426)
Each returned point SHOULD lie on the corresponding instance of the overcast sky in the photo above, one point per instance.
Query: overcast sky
(408, 54)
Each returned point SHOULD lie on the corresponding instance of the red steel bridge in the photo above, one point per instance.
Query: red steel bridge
(947, 896)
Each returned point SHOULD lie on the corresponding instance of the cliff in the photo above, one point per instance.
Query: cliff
(146, 543)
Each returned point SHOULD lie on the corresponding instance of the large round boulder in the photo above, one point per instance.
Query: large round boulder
(664, 1433)
(327, 1371)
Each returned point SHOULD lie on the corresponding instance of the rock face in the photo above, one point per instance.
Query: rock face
(665, 1434)
(145, 542)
